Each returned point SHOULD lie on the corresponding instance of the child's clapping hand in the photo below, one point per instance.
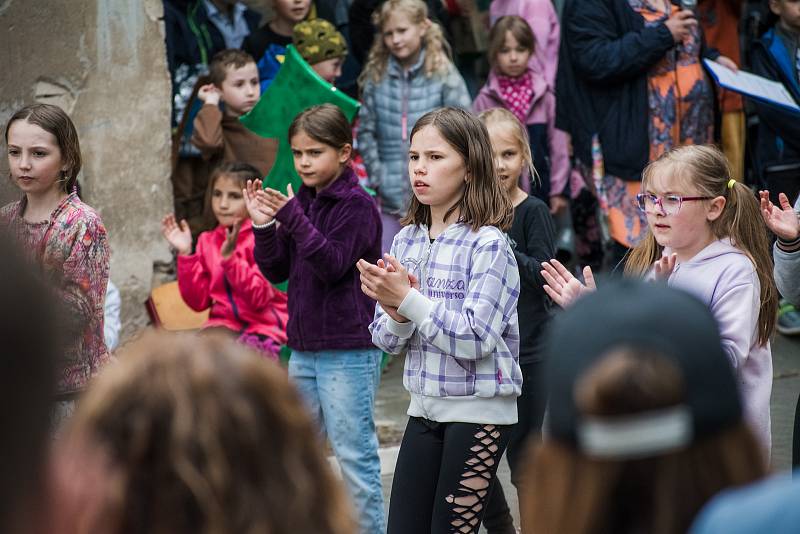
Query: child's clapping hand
(255, 201)
(231, 235)
(209, 94)
(179, 236)
(562, 286)
(276, 200)
(782, 221)
(388, 282)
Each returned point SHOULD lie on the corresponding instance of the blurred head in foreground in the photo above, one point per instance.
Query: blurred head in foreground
(189, 434)
(645, 421)
(28, 330)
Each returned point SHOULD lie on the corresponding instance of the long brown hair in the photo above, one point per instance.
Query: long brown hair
(484, 202)
(54, 120)
(438, 57)
(566, 490)
(708, 170)
(201, 435)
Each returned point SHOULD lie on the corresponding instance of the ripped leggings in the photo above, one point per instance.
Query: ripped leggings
(443, 476)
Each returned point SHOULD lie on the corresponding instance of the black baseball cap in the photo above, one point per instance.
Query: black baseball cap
(646, 315)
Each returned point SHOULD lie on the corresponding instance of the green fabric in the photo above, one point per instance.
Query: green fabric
(295, 88)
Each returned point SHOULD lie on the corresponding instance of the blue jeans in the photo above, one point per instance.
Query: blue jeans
(339, 387)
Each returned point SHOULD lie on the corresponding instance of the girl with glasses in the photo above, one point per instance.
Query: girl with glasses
(706, 236)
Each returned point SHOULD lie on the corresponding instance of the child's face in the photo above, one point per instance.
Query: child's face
(330, 69)
(688, 228)
(292, 11)
(403, 38)
(512, 58)
(508, 158)
(437, 172)
(34, 158)
(789, 13)
(240, 90)
(227, 201)
(317, 164)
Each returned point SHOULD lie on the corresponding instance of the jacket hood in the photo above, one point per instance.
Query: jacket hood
(715, 250)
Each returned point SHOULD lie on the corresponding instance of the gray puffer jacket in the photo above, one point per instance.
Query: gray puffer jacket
(389, 110)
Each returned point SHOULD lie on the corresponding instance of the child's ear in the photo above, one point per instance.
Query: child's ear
(345, 152)
(426, 24)
(715, 208)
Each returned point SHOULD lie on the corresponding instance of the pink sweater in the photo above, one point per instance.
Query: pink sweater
(239, 296)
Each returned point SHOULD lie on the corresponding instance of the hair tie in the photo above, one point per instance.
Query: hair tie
(731, 183)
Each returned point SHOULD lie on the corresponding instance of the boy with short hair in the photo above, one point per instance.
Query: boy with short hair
(268, 44)
(218, 134)
(322, 46)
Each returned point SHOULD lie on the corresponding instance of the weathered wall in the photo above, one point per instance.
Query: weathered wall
(104, 62)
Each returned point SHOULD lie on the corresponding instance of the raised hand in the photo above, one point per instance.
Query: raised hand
(231, 235)
(562, 286)
(276, 200)
(782, 221)
(680, 25)
(260, 212)
(663, 268)
(179, 236)
(209, 94)
(413, 280)
(389, 287)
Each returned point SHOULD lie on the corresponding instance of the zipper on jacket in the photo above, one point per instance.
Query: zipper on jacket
(404, 98)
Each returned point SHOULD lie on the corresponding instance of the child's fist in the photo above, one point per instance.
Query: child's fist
(209, 94)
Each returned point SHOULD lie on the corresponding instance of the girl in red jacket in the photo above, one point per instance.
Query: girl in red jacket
(222, 274)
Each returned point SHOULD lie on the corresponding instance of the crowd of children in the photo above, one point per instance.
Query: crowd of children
(446, 255)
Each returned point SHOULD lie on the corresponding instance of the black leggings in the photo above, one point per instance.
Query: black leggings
(530, 407)
(443, 476)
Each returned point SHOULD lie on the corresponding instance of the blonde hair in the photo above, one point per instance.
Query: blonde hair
(708, 170)
(438, 57)
(484, 202)
(501, 116)
(566, 490)
(200, 435)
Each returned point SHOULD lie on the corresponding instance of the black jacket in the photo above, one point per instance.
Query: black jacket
(534, 235)
(779, 128)
(605, 56)
(190, 37)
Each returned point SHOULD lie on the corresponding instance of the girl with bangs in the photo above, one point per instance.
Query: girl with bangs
(447, 296)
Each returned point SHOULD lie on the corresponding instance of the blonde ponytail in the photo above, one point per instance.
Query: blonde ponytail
(740, 221)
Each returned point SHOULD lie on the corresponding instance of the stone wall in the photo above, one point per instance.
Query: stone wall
(104, 62)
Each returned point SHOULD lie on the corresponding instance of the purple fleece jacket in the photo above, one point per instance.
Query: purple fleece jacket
(319, 239)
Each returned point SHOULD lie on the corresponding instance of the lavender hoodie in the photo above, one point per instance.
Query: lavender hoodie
(725, 279)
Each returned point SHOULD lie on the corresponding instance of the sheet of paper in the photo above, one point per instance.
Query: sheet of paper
(752, 85)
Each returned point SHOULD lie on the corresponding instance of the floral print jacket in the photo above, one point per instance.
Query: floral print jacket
(72, 250)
